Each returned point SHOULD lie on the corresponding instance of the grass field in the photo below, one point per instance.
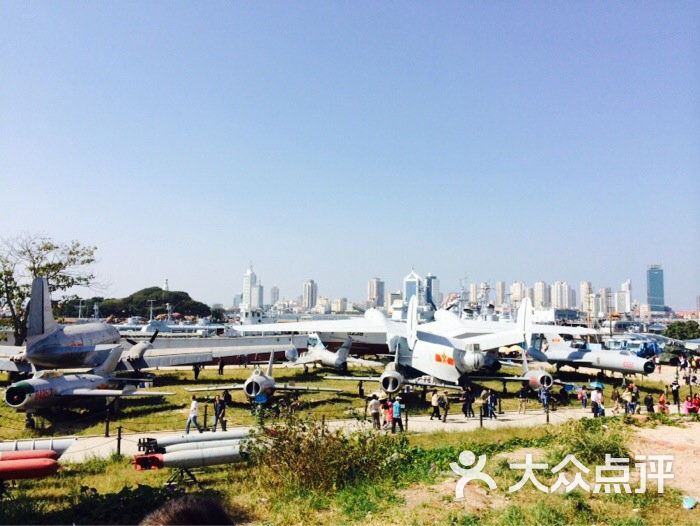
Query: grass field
(138, 415)
(419, 489)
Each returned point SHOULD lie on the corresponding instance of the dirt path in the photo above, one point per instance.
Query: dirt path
(681, 442)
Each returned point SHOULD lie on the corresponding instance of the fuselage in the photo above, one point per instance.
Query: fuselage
(73, 346)
(44, 389)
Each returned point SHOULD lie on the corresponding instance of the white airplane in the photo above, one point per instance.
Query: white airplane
(260, 387)
(318, 354)
(424, 357)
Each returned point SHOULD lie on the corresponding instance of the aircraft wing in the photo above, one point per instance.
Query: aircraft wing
(349, 325)
(12, 359)
(307, 388)
(179, 356)
(416, 382)
(215, 388)
(112, 392)
(366, 363)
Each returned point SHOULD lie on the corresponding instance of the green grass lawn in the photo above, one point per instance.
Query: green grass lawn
(420, 492)
(170, 413)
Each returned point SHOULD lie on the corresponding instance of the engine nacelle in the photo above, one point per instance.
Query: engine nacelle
(468, 361)
(391, 381)
(258, 384)
(538, 378)
(291, 355)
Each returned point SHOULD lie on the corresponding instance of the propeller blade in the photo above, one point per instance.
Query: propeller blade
(132, 342)
(155, 335)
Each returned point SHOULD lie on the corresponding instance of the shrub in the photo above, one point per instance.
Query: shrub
(309, 455)
(589, 440)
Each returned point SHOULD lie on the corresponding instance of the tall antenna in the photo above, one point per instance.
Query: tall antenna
(151, 308)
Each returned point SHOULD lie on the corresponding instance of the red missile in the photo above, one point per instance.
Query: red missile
(150, 461)
(32, 468)
(25, 455)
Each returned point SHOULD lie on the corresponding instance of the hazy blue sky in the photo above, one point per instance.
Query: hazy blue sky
(342, 140)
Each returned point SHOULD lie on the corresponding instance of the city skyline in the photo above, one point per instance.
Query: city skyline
(551, 143)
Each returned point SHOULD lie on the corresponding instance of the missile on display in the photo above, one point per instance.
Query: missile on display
(26, 455)
(31, 468)
(190, 458)
(59, 445)
(158, 444)
(202, 445)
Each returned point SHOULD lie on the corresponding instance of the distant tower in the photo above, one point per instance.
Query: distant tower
(165, 286)
(412, 286)
(655, 288)
(375, 292)
(432, 291)
(585, 289)
(274, 294)
(542, 295)
(250, 280)
(310, 296)
(500, 293)
(473, 292)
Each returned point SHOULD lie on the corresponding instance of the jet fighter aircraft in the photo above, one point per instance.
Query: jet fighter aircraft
(260, 386)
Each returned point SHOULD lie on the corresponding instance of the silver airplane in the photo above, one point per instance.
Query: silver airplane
(87, 345)
(318, 354)
(426, 358)
(52, 346)
(49, 387)
(260, 386)
(578, 353)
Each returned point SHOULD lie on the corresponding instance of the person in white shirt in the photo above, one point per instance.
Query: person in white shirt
(375, 409)
(192, 419)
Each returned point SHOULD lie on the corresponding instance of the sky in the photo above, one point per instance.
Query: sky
(344, 140)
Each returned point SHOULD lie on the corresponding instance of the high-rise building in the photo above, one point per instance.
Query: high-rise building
(274, 294)
(572, 298)
(517, 292)
(604, 302)
(237, 300)
(623, 298)
(340, 305)
(249, 281)
(256, 296)
(473, 292)
(432, 290)
(412, 286)
(391, 297)
(655, 288)
(500, 293)
(542, 295)
(561, 295)
(529, 293)
(585, 289)
(310, 296)
(375, 292)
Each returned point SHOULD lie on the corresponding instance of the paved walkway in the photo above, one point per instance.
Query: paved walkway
(101, 447)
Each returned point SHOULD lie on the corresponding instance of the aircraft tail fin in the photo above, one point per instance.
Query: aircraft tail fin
(524, 321)
(345, 349)
(526, 368)
(412, 322)
(40, 320)
(110, 364)
(270, 363)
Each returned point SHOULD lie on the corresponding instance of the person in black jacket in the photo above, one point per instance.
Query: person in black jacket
(219, 413)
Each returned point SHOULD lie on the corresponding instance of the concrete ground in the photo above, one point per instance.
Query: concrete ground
(85, 448)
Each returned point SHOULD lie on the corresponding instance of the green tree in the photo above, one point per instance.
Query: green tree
(683, 330)
(218, 315)
(64, 265)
